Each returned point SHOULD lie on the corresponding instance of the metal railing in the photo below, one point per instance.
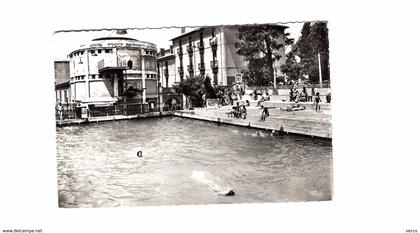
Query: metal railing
(132, 109)
(287, 86)
(68, 111)
(71, 112)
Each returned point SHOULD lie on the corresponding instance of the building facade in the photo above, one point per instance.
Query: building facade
(166, 69)
(211, 51)
(110, 69)
(62, 81)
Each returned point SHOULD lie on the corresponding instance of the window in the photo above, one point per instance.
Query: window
(81, 53)
(93, 76)
(130, 64)
(92, 51)
(108, 50)
(150, 63)
(99, 51)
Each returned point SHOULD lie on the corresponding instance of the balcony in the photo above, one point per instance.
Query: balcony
(214, 64)
(111, 65)
(201, 66)
(190, 68)
(213, 41)
(200, 44)
(179, 51)
(190, 48)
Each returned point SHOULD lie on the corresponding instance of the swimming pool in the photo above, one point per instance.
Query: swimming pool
(187, 162)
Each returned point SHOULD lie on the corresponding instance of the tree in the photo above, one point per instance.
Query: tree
(319, 42)
(193, 89)
(209, 89)
(313, 40)
(292, 68)
(259, 45)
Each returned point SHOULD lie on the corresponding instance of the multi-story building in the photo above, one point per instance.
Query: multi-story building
(62, 81)
(211, 51)
(109, 69)
(166, 67)
(167, 77)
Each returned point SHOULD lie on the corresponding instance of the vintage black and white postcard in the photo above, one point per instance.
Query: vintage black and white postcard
(193, 115)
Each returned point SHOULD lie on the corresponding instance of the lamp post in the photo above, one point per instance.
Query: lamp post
(319, 67)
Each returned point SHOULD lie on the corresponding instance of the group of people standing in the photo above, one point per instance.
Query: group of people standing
(239, 111)
(229, 95)
(68, 110)
(304, 96)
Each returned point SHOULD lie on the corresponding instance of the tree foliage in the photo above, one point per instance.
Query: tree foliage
(209, 90)
(259, 46)
(292, 67)
(194, 88)
(313, 40)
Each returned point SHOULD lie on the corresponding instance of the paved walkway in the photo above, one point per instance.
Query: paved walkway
(305, 122)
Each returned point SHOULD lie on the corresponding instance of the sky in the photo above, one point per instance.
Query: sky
(65, 42)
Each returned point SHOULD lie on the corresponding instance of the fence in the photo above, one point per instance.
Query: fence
(68, 111)
(71, 112)
(325, 84)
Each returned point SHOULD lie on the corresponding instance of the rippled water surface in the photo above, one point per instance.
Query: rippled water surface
(187, 162)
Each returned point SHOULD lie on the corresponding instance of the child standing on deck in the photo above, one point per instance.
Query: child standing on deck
(264, 113)
(311, 97)
(317, 100)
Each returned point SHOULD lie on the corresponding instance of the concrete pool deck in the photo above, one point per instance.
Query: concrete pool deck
(306, 122)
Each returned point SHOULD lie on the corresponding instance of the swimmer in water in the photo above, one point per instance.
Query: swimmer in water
(203, 178)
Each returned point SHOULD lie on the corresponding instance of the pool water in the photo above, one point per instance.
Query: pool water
(187, 162)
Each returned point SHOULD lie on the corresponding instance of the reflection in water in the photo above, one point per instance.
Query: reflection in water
(187, 162)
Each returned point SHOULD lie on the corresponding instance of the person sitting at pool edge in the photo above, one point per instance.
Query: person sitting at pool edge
(243, 112)
(236, 110)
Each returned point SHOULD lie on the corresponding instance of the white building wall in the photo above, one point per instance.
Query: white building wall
(172, 71)
(81, 90)
(101, 88)
(85, 81)
(229, 62)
